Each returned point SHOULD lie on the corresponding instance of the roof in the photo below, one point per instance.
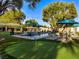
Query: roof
(10, 24)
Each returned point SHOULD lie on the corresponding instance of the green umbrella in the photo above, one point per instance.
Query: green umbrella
(75, 25)
(67, 22)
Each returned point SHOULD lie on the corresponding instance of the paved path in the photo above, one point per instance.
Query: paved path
(0, 57)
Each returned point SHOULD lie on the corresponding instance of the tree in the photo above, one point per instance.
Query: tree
(11, 18)
(57, 11)
(15, 4)
(31, 22)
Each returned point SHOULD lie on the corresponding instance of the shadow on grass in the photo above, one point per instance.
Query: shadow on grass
(70, 47)
(39, 49)
(34, 50)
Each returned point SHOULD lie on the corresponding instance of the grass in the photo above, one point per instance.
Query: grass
(41, 49)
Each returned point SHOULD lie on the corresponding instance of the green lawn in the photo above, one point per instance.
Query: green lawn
(42, 49)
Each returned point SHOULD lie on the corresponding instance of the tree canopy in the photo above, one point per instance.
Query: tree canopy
(31, 22)
(15, 4)
(59, 11)
(11, 17)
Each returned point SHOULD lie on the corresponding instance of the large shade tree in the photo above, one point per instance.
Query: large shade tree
(31, 22)
(57, 11)
(9, 17)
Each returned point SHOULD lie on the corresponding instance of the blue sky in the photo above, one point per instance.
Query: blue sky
(37, 12)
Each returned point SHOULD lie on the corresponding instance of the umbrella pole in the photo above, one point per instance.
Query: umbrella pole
(66, 34)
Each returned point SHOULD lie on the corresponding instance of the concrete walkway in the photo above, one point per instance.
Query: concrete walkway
(0, 57)
(1, 39)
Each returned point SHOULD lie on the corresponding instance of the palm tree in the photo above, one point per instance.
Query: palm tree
(15, 4)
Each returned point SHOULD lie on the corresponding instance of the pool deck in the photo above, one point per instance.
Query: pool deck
(37, 37)
(32, 37)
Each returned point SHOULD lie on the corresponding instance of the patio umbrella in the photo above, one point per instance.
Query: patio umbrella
(76, 25)
(67, 22)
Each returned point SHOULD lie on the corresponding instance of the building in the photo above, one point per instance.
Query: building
(8, 26)
(37, 29)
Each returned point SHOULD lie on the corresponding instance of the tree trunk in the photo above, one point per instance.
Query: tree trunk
(12, 31)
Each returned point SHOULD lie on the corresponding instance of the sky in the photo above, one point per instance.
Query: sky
(37, 12)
